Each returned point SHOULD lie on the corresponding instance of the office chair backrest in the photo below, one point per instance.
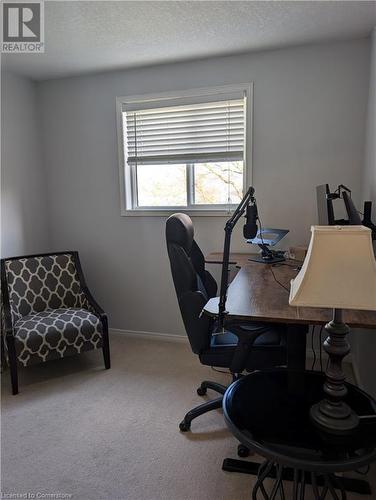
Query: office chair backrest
(194, 285)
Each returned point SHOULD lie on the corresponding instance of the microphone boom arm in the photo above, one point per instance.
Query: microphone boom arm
(230, 224)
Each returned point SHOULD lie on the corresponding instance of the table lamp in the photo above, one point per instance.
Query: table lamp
(339, 272)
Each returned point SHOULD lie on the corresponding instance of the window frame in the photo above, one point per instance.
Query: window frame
(128, 186)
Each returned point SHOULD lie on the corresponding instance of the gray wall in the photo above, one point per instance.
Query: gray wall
(23, 181)
(309, 126)
(369, 177)
(364, 341)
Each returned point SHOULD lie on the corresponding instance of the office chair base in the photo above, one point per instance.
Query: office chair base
(201, 391)
(214, 386)
(243, 451)
(185, 424)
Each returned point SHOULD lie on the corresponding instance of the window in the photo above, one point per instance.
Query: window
(184, 152)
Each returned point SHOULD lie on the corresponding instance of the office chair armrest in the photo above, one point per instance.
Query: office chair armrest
(191, 305)
(247, 334)
(195, 301)
(246, 330)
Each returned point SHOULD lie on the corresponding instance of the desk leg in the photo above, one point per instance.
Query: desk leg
(296, 346)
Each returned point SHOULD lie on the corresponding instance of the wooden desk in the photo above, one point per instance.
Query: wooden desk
(254, 294)
(236, 259)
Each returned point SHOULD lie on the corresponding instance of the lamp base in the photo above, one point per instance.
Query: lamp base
(332, 414)
(334, 419)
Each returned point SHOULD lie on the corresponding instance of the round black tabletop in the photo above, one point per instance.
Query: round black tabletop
(268, 412)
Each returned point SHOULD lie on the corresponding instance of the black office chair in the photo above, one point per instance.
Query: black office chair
(245, 346)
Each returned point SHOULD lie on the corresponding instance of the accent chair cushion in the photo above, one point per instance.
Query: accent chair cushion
(57, 333)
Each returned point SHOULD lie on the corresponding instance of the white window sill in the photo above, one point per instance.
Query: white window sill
(167, 212)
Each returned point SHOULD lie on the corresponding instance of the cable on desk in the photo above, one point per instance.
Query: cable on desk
(277, 281)
(313, 347)
(261, 228)
(321, 329)
(296, 266)
(271, 267)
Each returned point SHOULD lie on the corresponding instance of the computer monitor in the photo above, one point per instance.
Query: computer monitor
(352, 213)
(324, 206)
(345, 211)
(367, 218)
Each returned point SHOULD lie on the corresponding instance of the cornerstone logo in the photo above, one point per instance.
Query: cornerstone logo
(23, 27)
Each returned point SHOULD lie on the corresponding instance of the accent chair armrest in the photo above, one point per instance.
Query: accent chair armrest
(6, 316)
(93, 303)
(7, 324)
(85, 290)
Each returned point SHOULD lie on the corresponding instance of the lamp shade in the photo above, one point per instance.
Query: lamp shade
(339, 270)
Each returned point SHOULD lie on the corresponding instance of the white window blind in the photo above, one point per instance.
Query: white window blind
(212, 131)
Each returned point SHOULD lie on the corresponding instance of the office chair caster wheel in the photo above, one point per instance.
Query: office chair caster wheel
(201, 391)
(184, 426)
(243, 451)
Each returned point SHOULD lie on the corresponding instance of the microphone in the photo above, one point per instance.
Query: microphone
(250, 227)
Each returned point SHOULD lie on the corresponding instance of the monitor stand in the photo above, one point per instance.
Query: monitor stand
(268, 237)
(268, 256)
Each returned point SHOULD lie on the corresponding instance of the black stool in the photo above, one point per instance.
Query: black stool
(268, 412)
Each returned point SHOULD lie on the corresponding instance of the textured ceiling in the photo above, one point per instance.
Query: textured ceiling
(92, 36)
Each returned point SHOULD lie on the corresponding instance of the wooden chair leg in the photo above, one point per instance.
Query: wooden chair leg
(106, 350)
(13, 365)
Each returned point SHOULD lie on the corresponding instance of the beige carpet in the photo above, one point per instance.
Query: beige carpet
(94, 434)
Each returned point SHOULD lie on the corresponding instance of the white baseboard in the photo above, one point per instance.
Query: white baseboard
(166, 337)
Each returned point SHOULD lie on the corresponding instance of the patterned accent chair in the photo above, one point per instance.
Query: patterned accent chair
(48, 311)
